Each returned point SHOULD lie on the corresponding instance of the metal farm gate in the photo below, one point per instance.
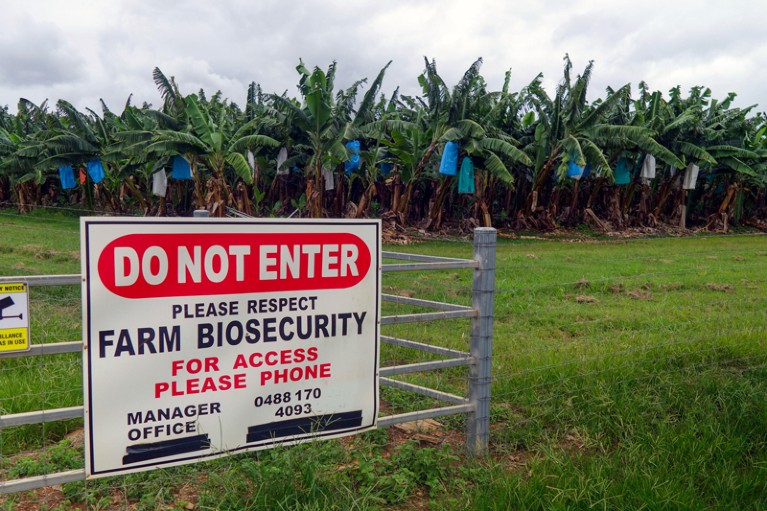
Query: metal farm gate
(476, 405)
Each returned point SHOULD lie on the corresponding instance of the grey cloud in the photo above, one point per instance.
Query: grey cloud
(33, 53)
(226, 45)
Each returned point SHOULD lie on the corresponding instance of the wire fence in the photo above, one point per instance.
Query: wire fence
(580, 331)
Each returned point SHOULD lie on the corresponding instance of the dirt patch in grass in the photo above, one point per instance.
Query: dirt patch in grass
(573, 442)
(723, 288)
(76, 437)
(586, 299)
(617, 288)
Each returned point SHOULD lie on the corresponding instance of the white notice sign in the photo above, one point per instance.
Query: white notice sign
(205, 337)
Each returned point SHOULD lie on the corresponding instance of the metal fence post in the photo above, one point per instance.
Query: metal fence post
(480, 376)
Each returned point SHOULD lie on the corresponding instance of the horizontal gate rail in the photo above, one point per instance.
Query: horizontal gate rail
(424, 262)
(428, 348)
(54, 348)
(32, 483)
(41, 416)
(404, 300)
(427, 266)
(46, 280)
(424, 391)
(432, 413)
(470, 263)
(420, 367)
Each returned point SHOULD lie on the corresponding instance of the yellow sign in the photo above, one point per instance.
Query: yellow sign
(14, 317)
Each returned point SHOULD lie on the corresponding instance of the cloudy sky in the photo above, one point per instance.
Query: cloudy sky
(84, 50)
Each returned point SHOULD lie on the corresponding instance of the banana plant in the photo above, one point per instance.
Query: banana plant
(470, 122)
(569, 128)
(369, 125)
(23, 151)
(418, 128)
(703, 131)
(321, 121)
(218, 144)
(410, 144)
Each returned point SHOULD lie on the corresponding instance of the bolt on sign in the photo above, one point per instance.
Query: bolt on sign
(14, 317)
(207, 337)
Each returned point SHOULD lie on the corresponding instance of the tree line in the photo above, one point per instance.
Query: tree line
(461, 155)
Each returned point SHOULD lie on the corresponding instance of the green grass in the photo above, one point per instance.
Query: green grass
(628, 374)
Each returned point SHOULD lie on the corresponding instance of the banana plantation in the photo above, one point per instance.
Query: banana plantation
(453, 156)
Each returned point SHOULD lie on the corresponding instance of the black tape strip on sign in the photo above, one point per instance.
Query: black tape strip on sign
(304, 425)
(150, 451)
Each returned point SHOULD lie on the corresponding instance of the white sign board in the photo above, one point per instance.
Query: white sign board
(205, 337)
(14, 317)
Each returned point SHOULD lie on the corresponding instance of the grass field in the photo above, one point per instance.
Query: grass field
(628, 374)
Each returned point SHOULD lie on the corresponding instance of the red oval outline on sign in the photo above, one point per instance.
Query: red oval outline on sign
(291, 262)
